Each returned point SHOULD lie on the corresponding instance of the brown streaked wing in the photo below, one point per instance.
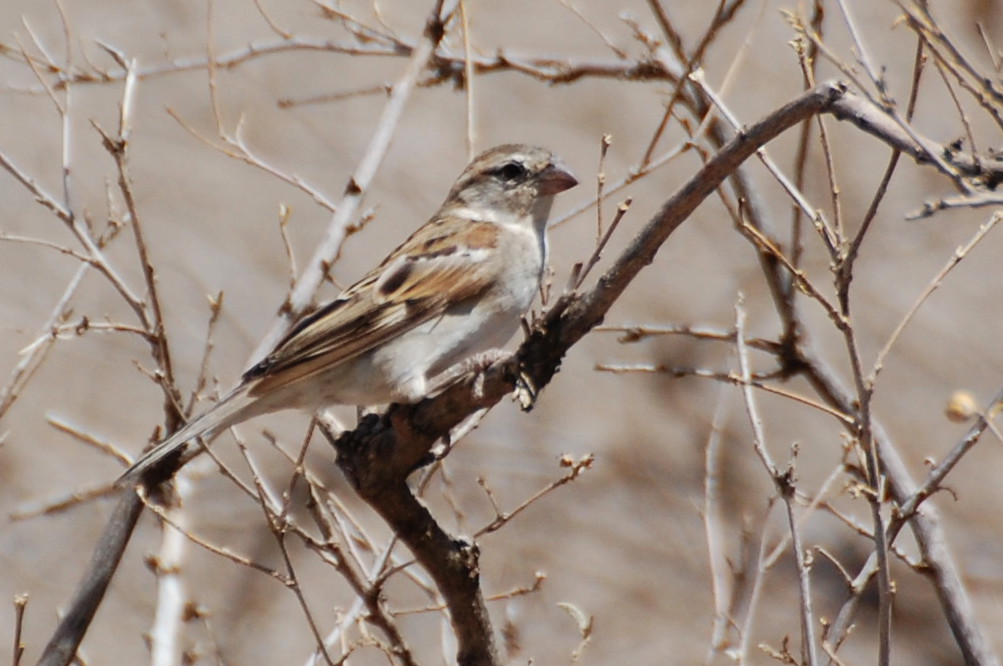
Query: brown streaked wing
(432, 264)
(418, 282)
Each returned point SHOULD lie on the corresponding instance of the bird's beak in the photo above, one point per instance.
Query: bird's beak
(556, 178)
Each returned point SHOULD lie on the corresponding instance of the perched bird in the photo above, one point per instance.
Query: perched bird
(455, 289)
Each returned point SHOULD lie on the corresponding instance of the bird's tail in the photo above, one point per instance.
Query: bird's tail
(230, 410)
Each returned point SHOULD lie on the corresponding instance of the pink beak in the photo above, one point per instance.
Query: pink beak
(556, 178)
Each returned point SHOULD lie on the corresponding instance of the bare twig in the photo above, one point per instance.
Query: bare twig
(723, 589)
(468, 81)
(89, 439)
(938, 279)
(237, 148)
(169, 565)
(783, 481)
(34, 356)
(807, 58)
(723, 15)
(61, 502)
(575, 469)
(20, 603)
(935, 478)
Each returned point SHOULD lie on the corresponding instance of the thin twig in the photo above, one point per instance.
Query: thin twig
(722, 587)
(932, 286)
(33, 357)
(20, 603)
(784, 484)
(468, 81)
(575, 469)
(221, 551)
(166, 632)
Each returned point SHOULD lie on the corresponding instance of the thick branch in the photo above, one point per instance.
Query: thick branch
(62, 647)
(452, 562)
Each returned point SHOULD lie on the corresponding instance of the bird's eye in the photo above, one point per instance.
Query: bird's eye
(511, 171)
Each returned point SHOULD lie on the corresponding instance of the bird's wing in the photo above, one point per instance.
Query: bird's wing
(419, 281)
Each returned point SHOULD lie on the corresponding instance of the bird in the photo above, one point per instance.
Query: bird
(456, 288)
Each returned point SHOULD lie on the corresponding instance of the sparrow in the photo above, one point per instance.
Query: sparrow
(456, 288)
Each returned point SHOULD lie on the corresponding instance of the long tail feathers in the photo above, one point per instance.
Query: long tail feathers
(230, 410)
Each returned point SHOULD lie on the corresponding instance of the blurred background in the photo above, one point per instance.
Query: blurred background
(626, 543)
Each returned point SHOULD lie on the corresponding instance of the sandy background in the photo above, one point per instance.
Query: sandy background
(626, 542)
